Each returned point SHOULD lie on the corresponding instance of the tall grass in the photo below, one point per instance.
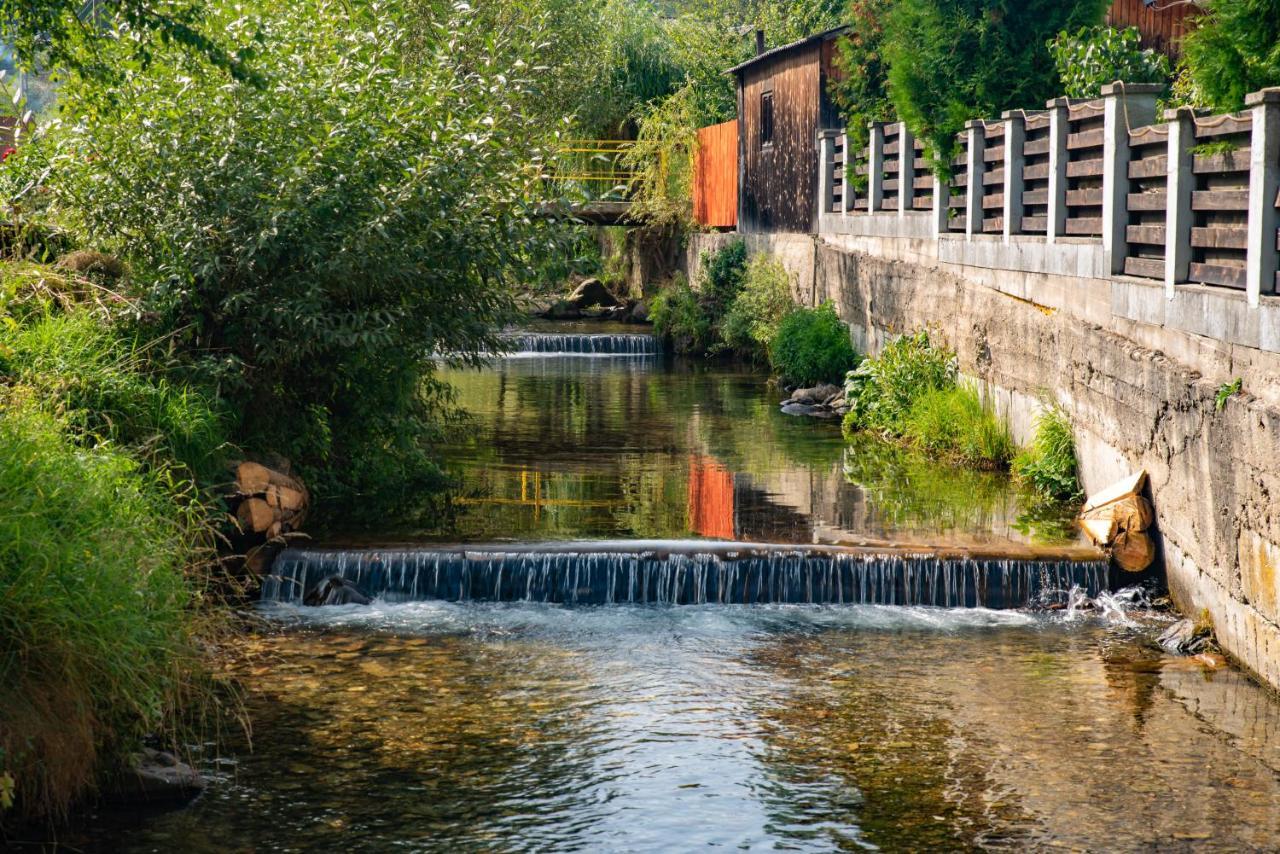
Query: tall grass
(97, 637)
(956, 424)
(1049, 463)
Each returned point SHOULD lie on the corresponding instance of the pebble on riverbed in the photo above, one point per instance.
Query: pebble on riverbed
(820, 401)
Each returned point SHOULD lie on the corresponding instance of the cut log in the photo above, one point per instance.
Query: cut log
(1133, 551)
(255, 515)
(1131, 485)
(1101, 531)
(253, 478)
(286, 498)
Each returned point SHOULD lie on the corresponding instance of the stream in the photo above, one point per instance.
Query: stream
(668, 617)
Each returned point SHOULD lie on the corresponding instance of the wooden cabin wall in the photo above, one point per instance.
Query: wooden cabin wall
(779, 184)
(1162, 26)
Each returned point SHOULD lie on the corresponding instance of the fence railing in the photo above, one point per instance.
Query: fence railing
(592, 169)
(1192, 199)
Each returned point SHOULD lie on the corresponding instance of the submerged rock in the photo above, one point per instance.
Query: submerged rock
(335, 590)
(157, 778)
(823, 394)
(818, 411)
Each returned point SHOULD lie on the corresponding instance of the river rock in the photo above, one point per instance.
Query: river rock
(335, 590)
(157, 778)
(562, 309)
(639, 313)
(822, 394)
(812, 410)
(1183, 638)
(591, 293)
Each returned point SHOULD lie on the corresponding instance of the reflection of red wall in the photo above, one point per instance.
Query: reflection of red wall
(710, 498)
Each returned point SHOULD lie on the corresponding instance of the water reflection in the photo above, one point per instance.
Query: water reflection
(588, 447)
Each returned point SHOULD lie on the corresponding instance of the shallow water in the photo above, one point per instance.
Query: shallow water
(438, 726)
(443, 725)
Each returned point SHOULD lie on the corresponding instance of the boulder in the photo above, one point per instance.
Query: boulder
(590, 293)
(156, 778)
(639, 313)
(1183, 638)
(812, 410)
(562, 309)
(335, 590)
(822, 394)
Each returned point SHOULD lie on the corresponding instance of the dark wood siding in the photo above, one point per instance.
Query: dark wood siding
(1162, 26)
(779, 182)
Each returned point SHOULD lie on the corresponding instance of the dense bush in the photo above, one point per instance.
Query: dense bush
(305, 245)
(1092, 57)
(883, 389)
(956, 424)
(679, 316)
(1233, 50)
(752, 321)
(955, 60)
(811, 346)
(1048, 464)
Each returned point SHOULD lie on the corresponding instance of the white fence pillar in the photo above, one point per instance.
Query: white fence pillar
(906, 170)
(1264, 184)
(1126, 106)
(1179, 184)
(1059, 127)
(875, 168)
(826, 173)
(1015, 136)
(977, 166)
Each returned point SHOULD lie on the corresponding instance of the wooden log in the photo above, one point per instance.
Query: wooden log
(286, 498)
(252, 478)
(1131, 485)
(1133, 551)
(255, 515)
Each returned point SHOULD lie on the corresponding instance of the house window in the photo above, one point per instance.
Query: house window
(766, 119)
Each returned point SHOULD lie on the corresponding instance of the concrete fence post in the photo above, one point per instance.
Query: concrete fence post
(906, 170)
(1059, 128)
(1179, 184)
(875, 168)
(1015, 137)
(826, 173)
(941, 207)
(846, 189)
(977, 166)
(1264, 184)
(1126, 106)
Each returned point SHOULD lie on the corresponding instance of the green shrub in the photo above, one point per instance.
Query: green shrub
(680, 318)
(812, 346)
(751, 324)
(957, 425)
(861, 90)
(722, 273)
(1233, 50)
(98, 639)
(882, 390)
(1092, 57)
(1049, 464)
(955, 60)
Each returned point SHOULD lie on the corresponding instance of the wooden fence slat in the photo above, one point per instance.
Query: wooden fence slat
(1232, 161)
(1152, 235)
(1155, 200)
(1220, 200)
(1089, 197)
(1085, 139)
(1087, 226)
(1150, 268)
(1217, 274)
(1149, 167)
(1085, 169)
(1220, 238)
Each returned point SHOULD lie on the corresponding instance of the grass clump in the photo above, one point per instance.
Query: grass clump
(957, 425)
(98, 639)
(812, 346)
(1048, 464)
(680, 319)
(751, 323)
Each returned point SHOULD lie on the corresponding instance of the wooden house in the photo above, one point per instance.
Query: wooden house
(782, 104)
(1162, 23)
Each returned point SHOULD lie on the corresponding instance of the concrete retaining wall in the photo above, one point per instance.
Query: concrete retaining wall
(1140, 392)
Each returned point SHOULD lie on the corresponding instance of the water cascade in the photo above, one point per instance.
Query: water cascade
(687, 577)
(597, 344)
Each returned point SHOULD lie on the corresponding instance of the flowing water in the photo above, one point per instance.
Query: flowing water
(592, 657)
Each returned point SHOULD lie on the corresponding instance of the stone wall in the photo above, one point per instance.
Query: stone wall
(1140, 394)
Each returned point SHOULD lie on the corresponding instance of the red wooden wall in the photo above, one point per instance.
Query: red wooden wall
(715, 176)
(1161, 25)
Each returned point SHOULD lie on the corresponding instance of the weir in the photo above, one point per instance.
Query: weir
(721, 573)
(598, 344)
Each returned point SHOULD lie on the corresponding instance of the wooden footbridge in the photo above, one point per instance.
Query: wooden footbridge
(594, 179)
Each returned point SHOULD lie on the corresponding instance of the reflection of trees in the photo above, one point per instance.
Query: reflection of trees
(434, 739)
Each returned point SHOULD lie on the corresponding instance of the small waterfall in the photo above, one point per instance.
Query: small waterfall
(771, 576)
(597, 344)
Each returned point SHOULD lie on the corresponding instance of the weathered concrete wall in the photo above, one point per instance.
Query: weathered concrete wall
(1139, 394)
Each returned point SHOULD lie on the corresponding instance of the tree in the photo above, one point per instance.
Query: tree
(64, 34)
(1234, 50)
(308, 246)
(860, 89)
(955, 60)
